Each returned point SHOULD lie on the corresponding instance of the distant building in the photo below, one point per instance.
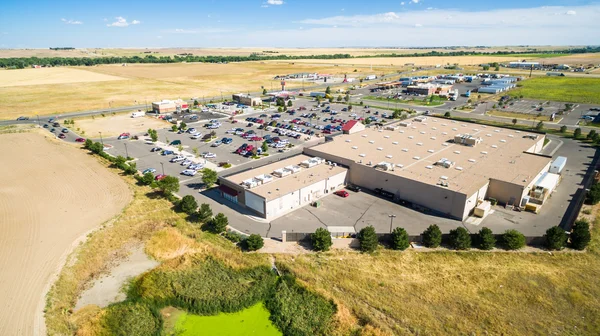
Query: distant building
(524, 65)
(352, 126)
(168, 106)
(245, 99)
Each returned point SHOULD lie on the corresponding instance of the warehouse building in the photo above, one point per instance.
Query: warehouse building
(245, 99)
(429, 89)
(278, 188)
(444, 166)
(524, 65)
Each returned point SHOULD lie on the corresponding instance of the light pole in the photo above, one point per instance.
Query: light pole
(38, 118)
(391, 221)
(162, 165)
(126, 151)
(101, 138)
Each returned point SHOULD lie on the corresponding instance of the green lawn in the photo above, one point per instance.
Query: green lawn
(251, 321)
(562, 89)
(437, 101)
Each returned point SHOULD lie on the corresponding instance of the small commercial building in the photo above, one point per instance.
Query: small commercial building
(429, 89)
(245, 99)
(524, 65)
(352, 126)
(278, 188)
(169, 106)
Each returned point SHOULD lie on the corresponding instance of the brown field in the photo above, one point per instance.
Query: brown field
(46, 76)
(117, 124)
(53, 195)
(152, 82)
(399, 61)
(582, 59)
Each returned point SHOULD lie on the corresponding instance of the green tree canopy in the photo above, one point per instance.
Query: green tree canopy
(486, 239)
(556, 238)
(321, 240)
(209, 177)
(580, 235)
(513, 240)
(460, 238)
(400, 239)
(188, 204)
(432, 236)
(254, 242)
(205, 213)
(168, 185)
(368, 239)
(219, 223)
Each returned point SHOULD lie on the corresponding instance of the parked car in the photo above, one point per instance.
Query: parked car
(175, 143)
(22, 118)
(191, 130)
(167, 152)
(342, 193)
(156, 149)
(217, 143)
(186, 162)
(46, 125)
(209, 155)
(149, 170)
(62, 136)
(65, 130)
(123, 136)
(176, 159)
(159, 177)
(227, 141)
(80, 140)
(52, 130)
(189, 172)
(353, 187)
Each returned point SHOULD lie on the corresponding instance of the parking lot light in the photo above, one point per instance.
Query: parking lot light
(126, 151)
(101, 141)
(391, 221)
(162, 165)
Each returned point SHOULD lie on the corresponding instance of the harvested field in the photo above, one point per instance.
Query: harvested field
(52, 196)
(117, 124)
(399, 61)
(582, 59)
(45, 76)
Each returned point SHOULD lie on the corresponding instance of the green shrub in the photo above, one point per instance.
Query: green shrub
(188, 204)
(593, 195)
(486, 239)
(233, 236)
(131, 319)
(254, 242)
(513, 240)
(218, 224)
(447, 115)
(321, 240)
(297, 311)
(147, 179)
(460, 239)
(400, 239)
(556, 238)
(432, 236)
(577, 133)
(580, 235)
(205, 213)
(168, 185)
(563, 129)
(368, 239)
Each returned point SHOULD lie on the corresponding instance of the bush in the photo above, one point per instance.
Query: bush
(218, 224)
(460, 239)
(563, 129)
(321, 240)
(432, 237)
(368, 239)
(400, 239)
(147, 179)
(131, 319)
(173, 128)
(233, 236)
(486, 239)
(580, 235)
(577, 133)
(254, 242)
(593, 195)
(188, 204)
(297, 311)
(556, 238)
(205, 213)
(513, 240)
(168, 185)
(447, 115)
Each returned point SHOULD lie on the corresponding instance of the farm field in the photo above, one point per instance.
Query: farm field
(563, 89)
(52, 196)
(250, 321)
(150, 82)
(113, 125)
(45, 76)
(523, 116)
(422, 61)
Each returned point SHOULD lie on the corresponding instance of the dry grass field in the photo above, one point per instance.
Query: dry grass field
(52, 195)
(581, 59)
(419, 61)
(114, 125)
(46, 76)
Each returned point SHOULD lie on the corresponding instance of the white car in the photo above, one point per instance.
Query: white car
(284, 141)
(186, 162)
(231, 131)
(189, 172)
(191, 130)
(209, 155)
(353, 115)
(217, 143)
(279, 145)
(196, 166)
(197, 136)
(177, 159)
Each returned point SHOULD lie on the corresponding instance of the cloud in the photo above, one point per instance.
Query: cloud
(402, 3)
(415, 1)
(571, 12)
(74, 22)
(275, 2)
(159, 37)
(206, 30)
(418, 25)
(122, 22)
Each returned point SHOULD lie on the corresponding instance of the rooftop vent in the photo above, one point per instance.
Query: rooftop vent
(411, 137)
(422, 132)
(489, 135)
(348, 140)
(354, 147)
(444, 177)
(518, 131)
(454, 121)
(456, 152)
(494, 146)
(444, 124)
(497, 131)
(484, 126)
(419, 144)
(511, 136)
(472, 160)
(372, 142)
(388, 156)
(395, 143)
(483, 152)
(432, 138)
(362, 155)
(379, 148)
(430, 151)
(364, 135)
(459, 168)
(401, 131)
(434, 128)
(387, 136)
(405, 149)
(399, 165)
(455, 129)
(476, 129)
(502, 140)
(444, 133)
(445, 144)
(417, 157)
(429, 167)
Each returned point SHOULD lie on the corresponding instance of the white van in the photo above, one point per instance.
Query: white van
(138, 114)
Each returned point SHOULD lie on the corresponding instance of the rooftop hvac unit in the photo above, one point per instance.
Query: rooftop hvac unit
(354, 147)
(362, 155)
(379, 148)
(443, 162)
(416, 157)
(264, 178)
(281, 172)
(348, 140)
(459, 168)
(250, 183)
(430, 151)
(419, 144)
(387, 136)
(466, 139)
(395, 143)
(371, 142)
(420, 119)
(294, 169)
(399, 165)
(502, 140)
(385, 166)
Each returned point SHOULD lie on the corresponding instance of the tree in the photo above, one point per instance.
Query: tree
(397, 114)
(447, 115)
(432, 236)
(180, 148)
(196, 103)
(88, 144)
(254, 242)
(580, 235)
(515, 121)
(289, 103)
(328, 90)
(280, 109)
(205, 213)
(593, 195)
(577, 133)
(218, 224)
(183, 125)
(174, 129)
(264, 147)
(563, 129)
(460, 239)
(321, 240)
(339, 98)
(513, 239)
(400, 239)
(147, 179)
(264, 92)
(120, 161)
(497, 68)
(539, 126)
(556, 238)
(590, 135)
(209, 177)
(153, 135)
(168, 185)
(347, 98)
(188, 204)
(486, 67)
(368, 239)
(486, 239)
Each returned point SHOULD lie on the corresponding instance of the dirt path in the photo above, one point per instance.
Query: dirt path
(51, 195)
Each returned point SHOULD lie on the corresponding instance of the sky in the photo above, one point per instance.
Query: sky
(296, 23)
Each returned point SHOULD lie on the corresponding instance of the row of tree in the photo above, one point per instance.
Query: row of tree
(460, 239)
(22, 62)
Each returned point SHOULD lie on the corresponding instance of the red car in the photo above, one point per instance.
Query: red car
(62, 136)
(160, 177)
(257, 138)
(342, 193)
(80, 140)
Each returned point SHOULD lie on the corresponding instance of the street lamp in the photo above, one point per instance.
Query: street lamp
(391, 221)
(163, 167)
(101, 138)
(126, 151)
